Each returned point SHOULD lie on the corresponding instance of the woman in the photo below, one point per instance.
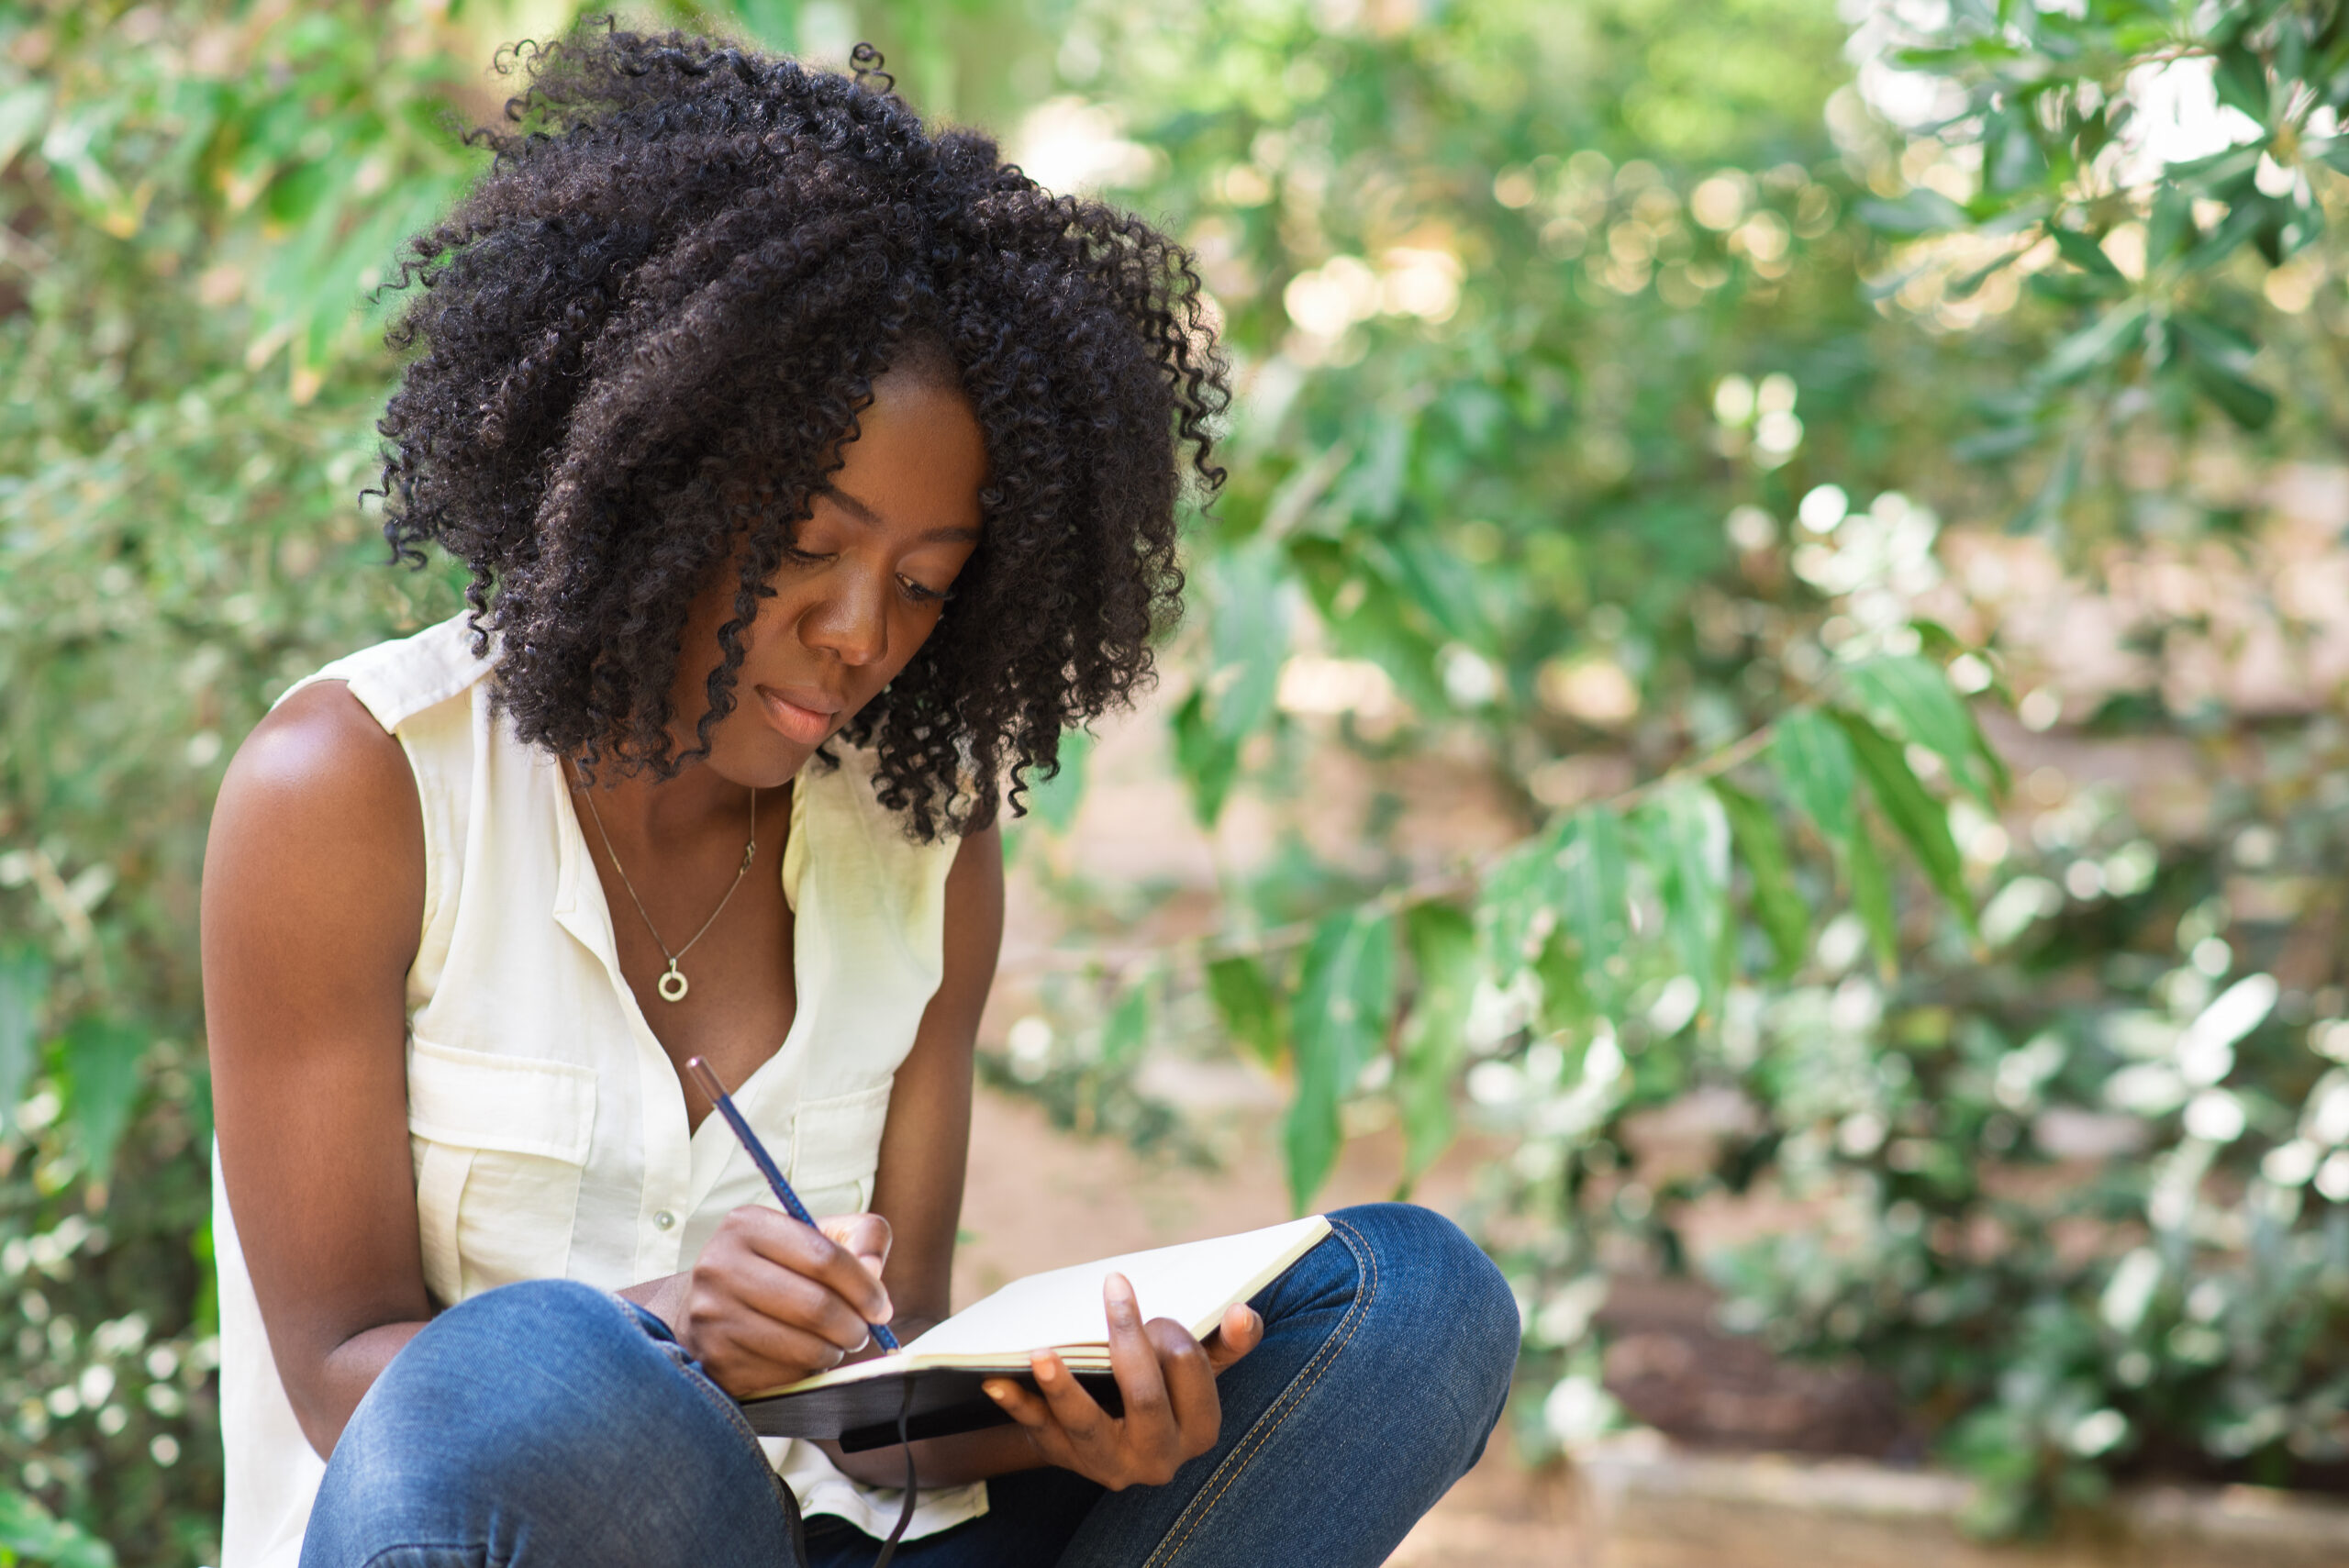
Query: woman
(814, 472)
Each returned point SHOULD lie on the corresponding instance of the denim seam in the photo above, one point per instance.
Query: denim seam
(701, 1381)
(1245, 1451)
(477, 1549)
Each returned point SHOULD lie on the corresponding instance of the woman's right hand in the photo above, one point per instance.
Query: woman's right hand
(771, 1301)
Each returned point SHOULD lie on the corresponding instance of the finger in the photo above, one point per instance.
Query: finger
(1240, 1331)
(1083, 1421)
(780, 1294)
(1150, 1419)
(747, 1353)
(1033, 1417)
(1194, 1409)
(1019, 1404)
(866, 1236)
(808, 1252)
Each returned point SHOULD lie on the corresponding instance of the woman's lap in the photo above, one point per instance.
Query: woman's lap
(542, 1424)
(1386, 1359)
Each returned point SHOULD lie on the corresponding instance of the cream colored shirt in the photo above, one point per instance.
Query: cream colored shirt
(547, 1123)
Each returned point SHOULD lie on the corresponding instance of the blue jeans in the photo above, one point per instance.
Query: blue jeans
(547, 1425)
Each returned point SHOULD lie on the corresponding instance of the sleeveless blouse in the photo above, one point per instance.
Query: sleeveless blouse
(547, 1124)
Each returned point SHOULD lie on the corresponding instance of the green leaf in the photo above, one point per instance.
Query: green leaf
(1872, 897)
(1566, 980)
(1688, 839)
(2169, 225)
(1054, 801)
(100, 1068)
(1524, 883)
(2240, 78)
(24, 988)
(1922, 821)
(2082, 250)
(1249, 1005)
(2240, 398)
(32, 1533)
(1443, 585)
(1778, 908)
(1208, 761)
(2011, 158)
(2217, 360)
(1597, 868)
(1911, 696)
(1344, 998)
(2118, 331)
(1247, 637)
(24, 111)
(1128, 1027)
(1443, 953)
(1814, 763)
(1921, 210)
(2240, 224)
(2046, 508)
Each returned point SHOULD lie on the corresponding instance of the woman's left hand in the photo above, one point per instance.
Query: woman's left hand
(1167, 1379)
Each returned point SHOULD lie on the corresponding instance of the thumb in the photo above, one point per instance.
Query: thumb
(1240, 1331)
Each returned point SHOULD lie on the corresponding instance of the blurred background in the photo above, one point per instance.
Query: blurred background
(1761, 719)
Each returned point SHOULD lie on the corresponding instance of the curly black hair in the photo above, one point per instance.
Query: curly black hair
(644, 335)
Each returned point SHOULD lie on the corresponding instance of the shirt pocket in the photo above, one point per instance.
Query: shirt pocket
(835, 1149)
(500, 1144)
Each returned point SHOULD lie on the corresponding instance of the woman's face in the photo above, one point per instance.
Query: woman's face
(858, 598)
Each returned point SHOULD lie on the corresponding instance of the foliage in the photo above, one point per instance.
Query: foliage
(2147, 167)
(194, 204)
(1522, 476)
(1607, 382)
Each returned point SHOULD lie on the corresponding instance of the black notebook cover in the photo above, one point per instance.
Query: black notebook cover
(863, 1415)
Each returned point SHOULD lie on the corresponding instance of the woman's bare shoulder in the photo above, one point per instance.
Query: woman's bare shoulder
(319, 804)
(319, 740)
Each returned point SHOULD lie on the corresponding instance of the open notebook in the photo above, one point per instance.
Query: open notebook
(935, 1379)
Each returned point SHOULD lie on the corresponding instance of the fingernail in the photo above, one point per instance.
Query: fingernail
(888, 1309)
(1120, 1294)
(998, 1392)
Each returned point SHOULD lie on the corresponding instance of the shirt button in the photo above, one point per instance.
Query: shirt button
(664, 1219)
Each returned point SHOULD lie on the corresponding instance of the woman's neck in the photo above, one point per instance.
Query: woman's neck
(669, 812)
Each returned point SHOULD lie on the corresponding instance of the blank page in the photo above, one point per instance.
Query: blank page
(1191, 1283)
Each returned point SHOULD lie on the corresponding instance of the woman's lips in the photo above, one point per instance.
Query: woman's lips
(797, 717)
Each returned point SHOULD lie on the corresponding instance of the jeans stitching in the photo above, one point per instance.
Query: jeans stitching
(477, 1549)
(1245, 1451)
(702, 1384)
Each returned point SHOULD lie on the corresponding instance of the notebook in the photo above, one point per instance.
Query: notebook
(935, 1380)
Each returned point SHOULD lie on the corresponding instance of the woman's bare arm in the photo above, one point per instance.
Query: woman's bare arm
(924, 1150)
(926, 1145)
(1172, 1411)
(312, 906)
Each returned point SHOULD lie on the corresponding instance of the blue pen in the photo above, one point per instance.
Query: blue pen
(765, 1162)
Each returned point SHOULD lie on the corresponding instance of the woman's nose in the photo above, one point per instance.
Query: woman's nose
(852, 619)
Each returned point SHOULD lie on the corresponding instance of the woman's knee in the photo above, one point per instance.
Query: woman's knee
(1437, 1291)
(547, 1407)
(518, 1376)
(469, 1392)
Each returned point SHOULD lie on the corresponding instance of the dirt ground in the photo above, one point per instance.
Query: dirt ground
(1039, 1198)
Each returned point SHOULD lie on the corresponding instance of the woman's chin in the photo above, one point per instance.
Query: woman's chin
(762, 760)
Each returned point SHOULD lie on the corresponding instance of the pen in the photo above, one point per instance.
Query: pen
(765, 1162)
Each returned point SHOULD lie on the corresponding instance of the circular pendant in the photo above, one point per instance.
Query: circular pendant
(671, 985)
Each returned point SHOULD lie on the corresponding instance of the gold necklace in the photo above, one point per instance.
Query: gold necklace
(672, 985)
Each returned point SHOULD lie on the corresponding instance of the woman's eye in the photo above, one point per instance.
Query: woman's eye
(922, 594)
(798, 557)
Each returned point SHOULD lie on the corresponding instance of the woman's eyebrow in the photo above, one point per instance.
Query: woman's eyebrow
(948, 534)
